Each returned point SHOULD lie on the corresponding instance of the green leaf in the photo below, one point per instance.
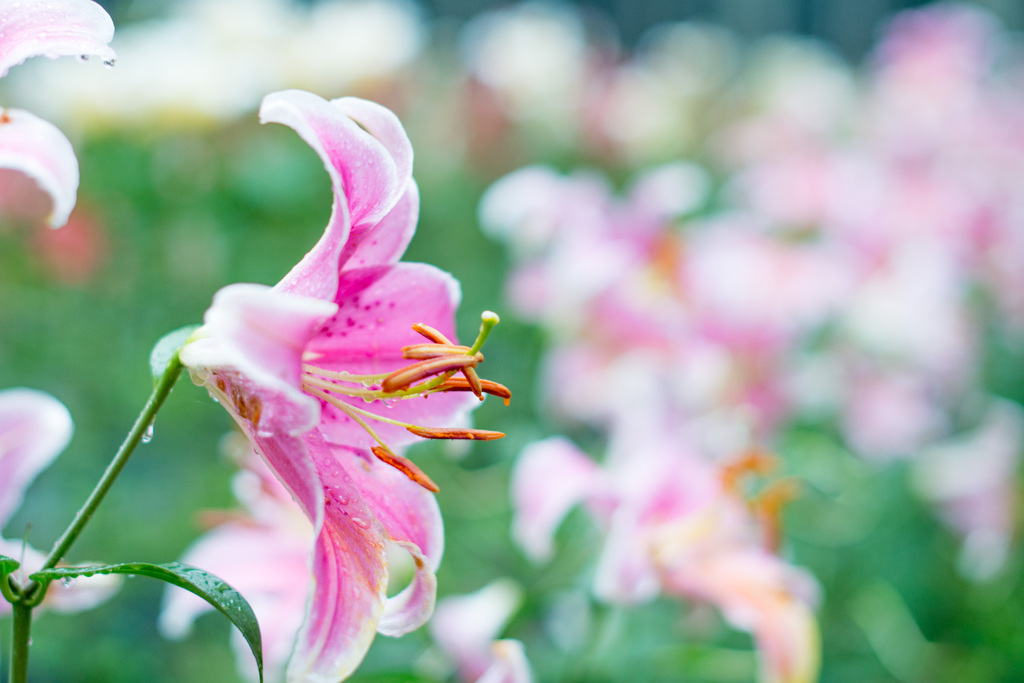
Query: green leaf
(207, 586)
(7, 565)
(166, 350)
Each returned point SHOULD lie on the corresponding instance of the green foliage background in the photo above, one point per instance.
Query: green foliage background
(186, 212)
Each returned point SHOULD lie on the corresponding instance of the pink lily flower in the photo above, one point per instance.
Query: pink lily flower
(674, 527)
(27, 143)
(34, 429)
(466, 628)
(299, 365)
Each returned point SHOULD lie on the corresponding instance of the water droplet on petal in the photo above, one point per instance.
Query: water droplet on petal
(109, 63)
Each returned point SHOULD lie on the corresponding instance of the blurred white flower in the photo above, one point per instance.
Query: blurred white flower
(213, 60)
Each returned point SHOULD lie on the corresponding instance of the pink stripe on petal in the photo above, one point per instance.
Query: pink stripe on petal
(34, 429)
(349, 565)
(53, 28)
(38, 149)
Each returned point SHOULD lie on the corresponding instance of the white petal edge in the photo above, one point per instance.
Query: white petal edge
(38, 149)
(53, 28)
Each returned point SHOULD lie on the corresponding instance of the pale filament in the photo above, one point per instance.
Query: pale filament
(341, 376)
(321, 378)
(355, 414)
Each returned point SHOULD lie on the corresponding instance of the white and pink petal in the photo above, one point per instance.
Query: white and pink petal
(53, 28)
(38, 149)
(251, 346)
(34, 429)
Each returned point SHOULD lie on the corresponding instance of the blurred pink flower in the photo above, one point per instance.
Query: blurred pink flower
(34, 429)
(262, 552)
(673, 526)
(297, 364)
(27, 143)
(466, 628)
(75, 253)
(972, 480)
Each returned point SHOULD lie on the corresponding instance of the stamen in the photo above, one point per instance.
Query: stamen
(423, 351)
(754, 461)
(331, 386)
(404, 377)
(455, 433)
(406, 467)
(769, 509)
(430, 333)
(486, 385)
(340, 376)
(474, 381)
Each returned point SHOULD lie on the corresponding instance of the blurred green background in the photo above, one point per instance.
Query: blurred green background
(180, 211)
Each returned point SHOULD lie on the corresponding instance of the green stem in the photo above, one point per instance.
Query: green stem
(7, 589)
(31, 594)
(20, 641)
(135, 436)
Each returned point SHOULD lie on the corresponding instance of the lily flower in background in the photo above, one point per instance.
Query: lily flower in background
(466, 629)
(300, 365)
(34, 429)
(28, 143)
(675, 525)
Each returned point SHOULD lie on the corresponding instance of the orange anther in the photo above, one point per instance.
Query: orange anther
(406, 467)
(455, 433)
